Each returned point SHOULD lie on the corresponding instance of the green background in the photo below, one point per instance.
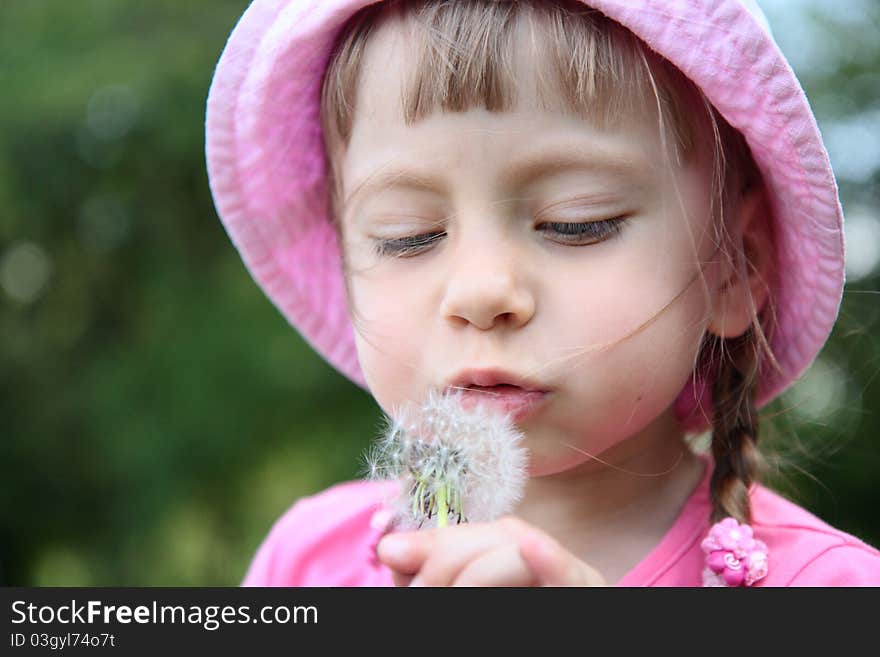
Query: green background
(157, 413)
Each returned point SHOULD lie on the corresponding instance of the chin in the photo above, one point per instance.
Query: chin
(547, 456)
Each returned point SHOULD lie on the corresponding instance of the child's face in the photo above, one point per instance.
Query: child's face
(499, 289)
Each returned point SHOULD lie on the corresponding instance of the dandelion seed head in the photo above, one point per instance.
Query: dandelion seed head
(469, 461)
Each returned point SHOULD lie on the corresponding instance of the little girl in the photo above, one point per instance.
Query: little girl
(615, 216)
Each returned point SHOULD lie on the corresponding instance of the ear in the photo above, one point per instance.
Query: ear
(732, 308)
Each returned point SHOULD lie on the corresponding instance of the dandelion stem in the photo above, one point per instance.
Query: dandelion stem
(442, 510)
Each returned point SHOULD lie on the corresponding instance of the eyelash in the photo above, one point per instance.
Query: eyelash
(598, 231)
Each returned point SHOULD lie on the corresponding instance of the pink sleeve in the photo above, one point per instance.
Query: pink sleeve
(844, 564)
(271, 565)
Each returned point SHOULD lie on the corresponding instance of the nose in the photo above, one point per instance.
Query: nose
(486, 287)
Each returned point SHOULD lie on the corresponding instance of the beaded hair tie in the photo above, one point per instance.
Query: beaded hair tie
(734, 557)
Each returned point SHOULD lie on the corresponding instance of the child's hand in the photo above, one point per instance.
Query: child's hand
(507, 552)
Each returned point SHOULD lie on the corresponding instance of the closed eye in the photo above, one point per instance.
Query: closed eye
(585, 232)
(403, 247)
(564, 232)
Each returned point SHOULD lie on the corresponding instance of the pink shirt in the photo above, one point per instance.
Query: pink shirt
(326, 540)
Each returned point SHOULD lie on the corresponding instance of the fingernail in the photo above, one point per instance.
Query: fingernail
(393, 547)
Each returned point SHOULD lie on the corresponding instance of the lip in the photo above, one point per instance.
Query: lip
(518, 403)
(486, 378)
(501, 391)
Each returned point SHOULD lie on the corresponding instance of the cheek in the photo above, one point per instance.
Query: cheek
(659, 318)
(638, 352)
(625, 298)
(386, 322)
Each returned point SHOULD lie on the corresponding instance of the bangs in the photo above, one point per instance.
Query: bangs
(466, 55)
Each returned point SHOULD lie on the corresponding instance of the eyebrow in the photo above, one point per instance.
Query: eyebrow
(402, 179)
(540, 165)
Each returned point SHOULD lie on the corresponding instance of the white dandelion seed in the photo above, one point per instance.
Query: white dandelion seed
(453, 464)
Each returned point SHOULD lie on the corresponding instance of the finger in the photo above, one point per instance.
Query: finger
(401, 580)
(553, 565)
(455, 548)
(438, 555)
(501, 566)
(405, 552)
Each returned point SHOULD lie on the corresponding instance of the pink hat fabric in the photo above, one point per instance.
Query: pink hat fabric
(266, 164)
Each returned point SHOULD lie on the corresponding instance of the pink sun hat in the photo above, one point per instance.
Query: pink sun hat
(266, 166)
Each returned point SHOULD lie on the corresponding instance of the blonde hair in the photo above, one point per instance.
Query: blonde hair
(600, 71)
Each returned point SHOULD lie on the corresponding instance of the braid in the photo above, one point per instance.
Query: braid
(735, 429)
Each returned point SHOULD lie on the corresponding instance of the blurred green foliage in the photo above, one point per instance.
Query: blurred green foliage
(158, 414)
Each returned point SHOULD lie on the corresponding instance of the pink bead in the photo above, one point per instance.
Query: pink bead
(715, 561)
(734, 577)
